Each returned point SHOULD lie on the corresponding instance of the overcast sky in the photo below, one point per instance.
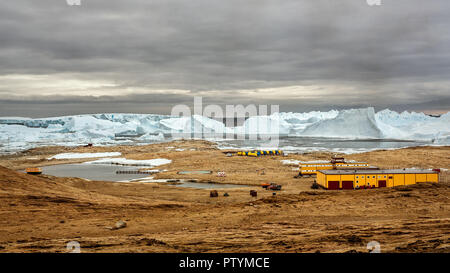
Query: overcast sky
(145, 56)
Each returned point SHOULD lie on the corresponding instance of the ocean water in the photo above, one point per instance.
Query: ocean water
(287, 144)
(311, 144)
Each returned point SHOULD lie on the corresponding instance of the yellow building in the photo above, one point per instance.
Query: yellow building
(311, 167)
(257, 153)
(360, 179)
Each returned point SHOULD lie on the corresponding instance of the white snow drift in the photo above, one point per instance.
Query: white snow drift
(123, 161)
(83, 155)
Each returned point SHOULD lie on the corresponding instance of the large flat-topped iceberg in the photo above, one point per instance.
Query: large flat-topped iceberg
(354, 123)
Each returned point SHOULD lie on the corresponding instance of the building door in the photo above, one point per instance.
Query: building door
(333, 185)
(347, 185)
(381, 183)
(391, 182)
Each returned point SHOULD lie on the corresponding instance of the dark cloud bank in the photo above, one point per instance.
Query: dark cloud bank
(396, 55)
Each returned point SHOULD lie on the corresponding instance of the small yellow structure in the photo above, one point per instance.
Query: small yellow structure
(310, 168)
(257, 153)
(33, 171)
(363, 179)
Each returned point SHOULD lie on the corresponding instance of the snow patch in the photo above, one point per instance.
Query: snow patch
(83, 155)
(290, 162)
(123, 161)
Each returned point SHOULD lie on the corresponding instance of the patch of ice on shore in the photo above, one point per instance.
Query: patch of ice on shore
(123, 161)
(290, 162)
(83, 155)
(153, 137)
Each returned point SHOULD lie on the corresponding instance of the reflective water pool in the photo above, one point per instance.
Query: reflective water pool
(102, 172)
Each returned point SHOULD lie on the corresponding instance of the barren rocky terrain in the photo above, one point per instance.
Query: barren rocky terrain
(43, 213)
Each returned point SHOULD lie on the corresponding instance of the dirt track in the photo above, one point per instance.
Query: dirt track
(42, 214)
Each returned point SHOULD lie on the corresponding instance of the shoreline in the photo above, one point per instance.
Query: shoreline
(221, 145)
(240, 170)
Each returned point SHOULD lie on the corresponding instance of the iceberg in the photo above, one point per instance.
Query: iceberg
(20, 133)
(353, 123)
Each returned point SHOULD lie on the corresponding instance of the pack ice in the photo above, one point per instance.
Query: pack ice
(18, 133)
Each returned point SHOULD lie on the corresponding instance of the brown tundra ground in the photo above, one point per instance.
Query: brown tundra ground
(42, 213)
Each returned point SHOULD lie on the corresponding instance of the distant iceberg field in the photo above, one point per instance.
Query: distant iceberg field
(18, 133)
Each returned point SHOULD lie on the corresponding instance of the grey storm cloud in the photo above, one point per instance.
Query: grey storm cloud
(395, 55)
